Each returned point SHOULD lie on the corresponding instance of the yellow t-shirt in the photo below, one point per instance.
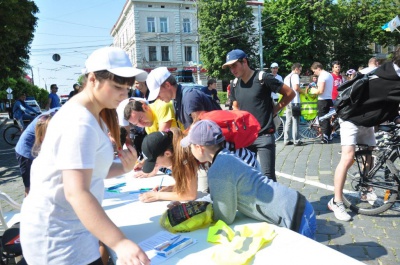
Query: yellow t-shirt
(163, 112)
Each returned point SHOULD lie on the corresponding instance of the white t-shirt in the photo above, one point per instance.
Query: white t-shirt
(326, 77)
(295, 80)
(274, 95)
(368, 69)
(120, 110)
(51, 232)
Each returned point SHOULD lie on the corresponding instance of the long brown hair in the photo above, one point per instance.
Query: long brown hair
(110, 116)
(184, 164)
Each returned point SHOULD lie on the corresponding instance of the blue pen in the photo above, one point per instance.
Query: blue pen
(116, 186)
(159, 188)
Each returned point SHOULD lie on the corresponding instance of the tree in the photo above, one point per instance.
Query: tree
(296, 31)
(224, 25)
(17, 24)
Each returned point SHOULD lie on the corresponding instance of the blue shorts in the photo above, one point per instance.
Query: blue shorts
(308, 224)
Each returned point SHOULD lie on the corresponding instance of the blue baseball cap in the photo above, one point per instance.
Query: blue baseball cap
(204, 132)
(233, 56)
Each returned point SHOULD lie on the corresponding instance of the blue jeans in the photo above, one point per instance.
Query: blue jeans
(264, 148)
(308, 224)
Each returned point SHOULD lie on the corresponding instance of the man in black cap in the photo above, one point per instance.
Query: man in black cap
(252, 93)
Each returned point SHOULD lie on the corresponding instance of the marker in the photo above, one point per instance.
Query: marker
(116, 186)
(162, 179)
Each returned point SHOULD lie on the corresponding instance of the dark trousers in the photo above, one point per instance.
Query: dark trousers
(25, 169)
(264, 147)
(323, 108)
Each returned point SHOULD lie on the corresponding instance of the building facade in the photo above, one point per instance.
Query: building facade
(159, 33)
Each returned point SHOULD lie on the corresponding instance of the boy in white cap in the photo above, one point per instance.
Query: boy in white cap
(188, 103)
(243, 188)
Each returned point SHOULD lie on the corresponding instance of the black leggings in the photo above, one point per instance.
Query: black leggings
(323, 108)
(97, 262)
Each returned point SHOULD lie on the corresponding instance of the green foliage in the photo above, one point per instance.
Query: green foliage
(296, 31)
(21, 86)
(224, 25)
(223, 96)
(323, 31)
(18, 21)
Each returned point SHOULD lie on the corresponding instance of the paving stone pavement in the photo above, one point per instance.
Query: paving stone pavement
(370, 239)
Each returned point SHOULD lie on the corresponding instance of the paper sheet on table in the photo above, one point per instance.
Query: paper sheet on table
(159, 238)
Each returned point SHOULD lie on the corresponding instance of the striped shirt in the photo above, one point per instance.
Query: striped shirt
(243, 153)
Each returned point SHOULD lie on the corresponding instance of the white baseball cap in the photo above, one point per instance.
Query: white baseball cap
(154, 81)
(114, 60)
(274, 65)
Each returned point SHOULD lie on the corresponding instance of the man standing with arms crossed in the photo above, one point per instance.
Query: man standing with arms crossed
(324, 92)
(250, 94)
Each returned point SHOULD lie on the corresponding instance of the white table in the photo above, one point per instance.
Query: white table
(139, 221)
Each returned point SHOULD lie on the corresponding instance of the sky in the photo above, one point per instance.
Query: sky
(73, 29)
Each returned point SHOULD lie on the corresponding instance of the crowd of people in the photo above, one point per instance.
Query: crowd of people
(66, 153)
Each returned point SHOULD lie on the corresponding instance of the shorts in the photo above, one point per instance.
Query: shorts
(351, 134)
(308, 225)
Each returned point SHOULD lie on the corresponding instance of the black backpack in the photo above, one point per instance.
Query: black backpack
(350, 94)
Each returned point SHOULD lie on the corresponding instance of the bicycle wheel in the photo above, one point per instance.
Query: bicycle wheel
(309, 130)
(381, 189)
(11, 135)
(279, 130)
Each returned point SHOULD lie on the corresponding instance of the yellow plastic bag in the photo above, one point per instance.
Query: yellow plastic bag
(187, 216)
(238, 247)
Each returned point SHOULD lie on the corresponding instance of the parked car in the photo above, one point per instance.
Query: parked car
(187, 85)
(63, 99)
(33, 104)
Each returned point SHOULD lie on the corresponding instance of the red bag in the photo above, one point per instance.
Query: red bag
(238, 126)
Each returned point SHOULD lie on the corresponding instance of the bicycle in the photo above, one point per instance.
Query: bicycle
(311, 129)
(279, 131)
(374, 189)
(12, 133)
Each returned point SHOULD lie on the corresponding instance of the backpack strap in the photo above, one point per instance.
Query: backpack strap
(261, 77)
(234, 83)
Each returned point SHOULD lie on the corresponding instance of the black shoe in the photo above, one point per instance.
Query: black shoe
(289, 143)
(299, 143)
(324, 141)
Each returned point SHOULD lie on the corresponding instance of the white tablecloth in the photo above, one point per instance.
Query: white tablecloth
(139, 221)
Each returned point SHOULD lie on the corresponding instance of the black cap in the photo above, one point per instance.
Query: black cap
(75, 85)
(153, 146)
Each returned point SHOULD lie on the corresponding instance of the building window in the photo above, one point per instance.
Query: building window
(186, 25)
(151, 25)
(390, 48)
(188, 53)
(163, 25)
(164, 53)
(152, 53)
(378, 48)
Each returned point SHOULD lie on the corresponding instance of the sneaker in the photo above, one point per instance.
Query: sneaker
(339, 210)
(324, 141)
(288, 143)
(369, 196)
(298, 143)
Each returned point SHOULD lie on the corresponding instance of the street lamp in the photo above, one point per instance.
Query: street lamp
(198, 59)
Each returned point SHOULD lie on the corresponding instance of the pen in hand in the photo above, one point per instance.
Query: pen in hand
(162, 179)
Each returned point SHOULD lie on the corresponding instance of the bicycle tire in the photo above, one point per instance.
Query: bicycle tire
(385, 198)
(12, 134)
(279, 130)
(309, 131)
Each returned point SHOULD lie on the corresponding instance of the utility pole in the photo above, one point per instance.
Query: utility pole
(260, 31)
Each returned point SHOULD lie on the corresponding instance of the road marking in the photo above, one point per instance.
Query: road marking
(309, 182)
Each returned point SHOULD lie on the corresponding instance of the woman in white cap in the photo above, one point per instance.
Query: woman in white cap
(62, 219)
